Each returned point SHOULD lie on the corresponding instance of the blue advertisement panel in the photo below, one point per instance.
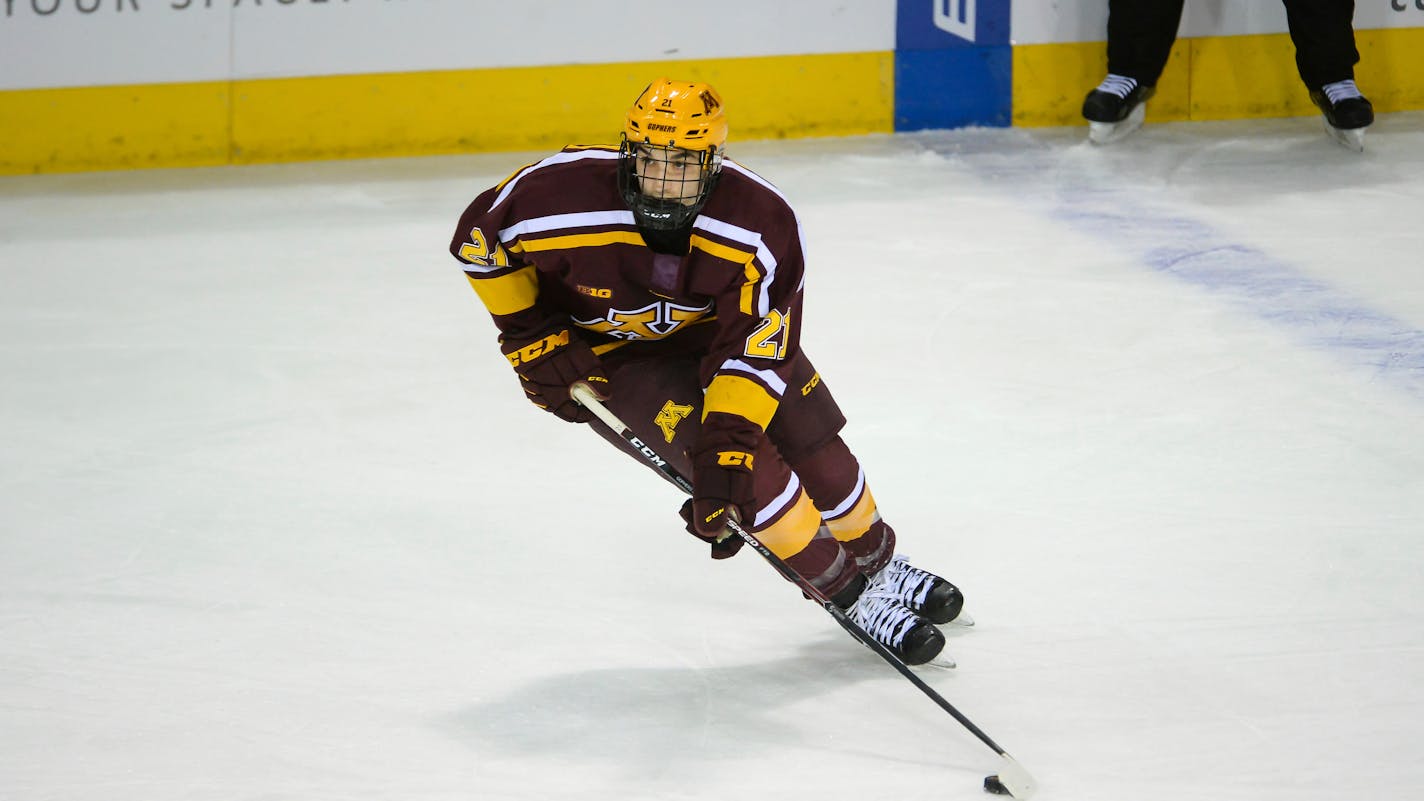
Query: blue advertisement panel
(936, 24)
(953, 64)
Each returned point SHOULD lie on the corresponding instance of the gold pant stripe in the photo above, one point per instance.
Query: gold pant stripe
(789, 534)
(853, 524)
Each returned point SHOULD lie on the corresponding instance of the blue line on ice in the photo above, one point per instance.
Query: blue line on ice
(1317, 313)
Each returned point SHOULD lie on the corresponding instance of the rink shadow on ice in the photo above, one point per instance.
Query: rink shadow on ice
(641, 715)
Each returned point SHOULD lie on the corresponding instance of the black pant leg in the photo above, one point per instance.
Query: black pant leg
(1140, 37)
(1324, 36)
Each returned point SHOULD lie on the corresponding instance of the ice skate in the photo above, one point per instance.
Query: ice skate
(1115, 108)
(1347, 113)
(922, 591)
(880, 611)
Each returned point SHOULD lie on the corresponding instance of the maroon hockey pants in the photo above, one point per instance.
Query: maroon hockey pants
(813, 508)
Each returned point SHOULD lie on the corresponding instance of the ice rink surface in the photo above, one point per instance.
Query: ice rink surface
(276, 522)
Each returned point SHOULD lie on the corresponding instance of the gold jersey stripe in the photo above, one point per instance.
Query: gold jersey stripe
(745, 258)
(571, 241)
(749, 290)
(509, 293)
(740, 396)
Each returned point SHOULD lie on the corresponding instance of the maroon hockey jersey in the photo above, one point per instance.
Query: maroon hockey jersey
(555, 242)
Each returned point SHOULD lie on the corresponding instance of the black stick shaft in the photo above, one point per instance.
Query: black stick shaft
(587, 398)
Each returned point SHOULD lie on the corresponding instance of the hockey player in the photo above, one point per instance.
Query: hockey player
(668, 278)
(1140, 37)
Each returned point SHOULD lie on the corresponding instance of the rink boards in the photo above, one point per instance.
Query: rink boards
(114, 84)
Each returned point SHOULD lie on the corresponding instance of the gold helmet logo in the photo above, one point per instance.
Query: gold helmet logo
(681, 114)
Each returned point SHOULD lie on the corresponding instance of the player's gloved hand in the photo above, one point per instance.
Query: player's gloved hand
(722, 463)
(726, 548)
(551, 361)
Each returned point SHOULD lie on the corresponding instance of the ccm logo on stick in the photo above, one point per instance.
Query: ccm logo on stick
(648, 453)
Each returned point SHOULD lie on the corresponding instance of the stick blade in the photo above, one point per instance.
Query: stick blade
(1011, 780)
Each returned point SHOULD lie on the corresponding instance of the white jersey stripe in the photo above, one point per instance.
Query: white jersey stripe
(768, 261)
(748, 173)
(554, 222)
(765, 376)
(751, 239)
(557, 158)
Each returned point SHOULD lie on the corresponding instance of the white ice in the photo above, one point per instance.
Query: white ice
(276, 522)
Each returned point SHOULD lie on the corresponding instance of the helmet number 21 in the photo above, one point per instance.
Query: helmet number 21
(768, 341)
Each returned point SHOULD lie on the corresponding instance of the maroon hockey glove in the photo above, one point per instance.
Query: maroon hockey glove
(722, 465)
(550, 362)
(725, 549)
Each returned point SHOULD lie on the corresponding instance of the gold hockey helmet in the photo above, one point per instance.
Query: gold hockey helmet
(671, 155)
(678, 114)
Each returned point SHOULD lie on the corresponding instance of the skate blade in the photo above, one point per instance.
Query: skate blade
(1105, 133)
(1349, 138)
(944, 662)
(963, 620)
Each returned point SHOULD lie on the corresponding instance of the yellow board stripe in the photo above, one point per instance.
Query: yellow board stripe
(740, 396)
(1202, 80)
(424, 113)
(509, 293)
(115, 127)
(580, 241)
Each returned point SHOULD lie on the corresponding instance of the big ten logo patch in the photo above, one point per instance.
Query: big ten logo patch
(669, 416)
(653, 321)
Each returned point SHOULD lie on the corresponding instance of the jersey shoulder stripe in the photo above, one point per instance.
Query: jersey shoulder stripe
(765, 184)
(563, 222)
(565, 156)
(751, 242)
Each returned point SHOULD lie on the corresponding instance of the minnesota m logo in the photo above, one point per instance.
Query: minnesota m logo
(653, 321)
(669, 416)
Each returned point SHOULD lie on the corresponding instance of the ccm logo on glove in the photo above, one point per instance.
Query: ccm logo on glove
(735, 459)
(548, 363)
(529, 353)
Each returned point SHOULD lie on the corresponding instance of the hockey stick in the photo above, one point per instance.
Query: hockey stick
(1011, 779)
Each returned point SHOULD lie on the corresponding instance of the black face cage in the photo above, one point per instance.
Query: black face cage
(682, 198)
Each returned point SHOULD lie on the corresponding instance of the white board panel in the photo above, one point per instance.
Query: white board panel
(52, 43)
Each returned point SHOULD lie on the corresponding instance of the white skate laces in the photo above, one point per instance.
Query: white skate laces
(1340, 90)
(906, 582)
(884, 616)
(1119, 85)
(892, 608)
